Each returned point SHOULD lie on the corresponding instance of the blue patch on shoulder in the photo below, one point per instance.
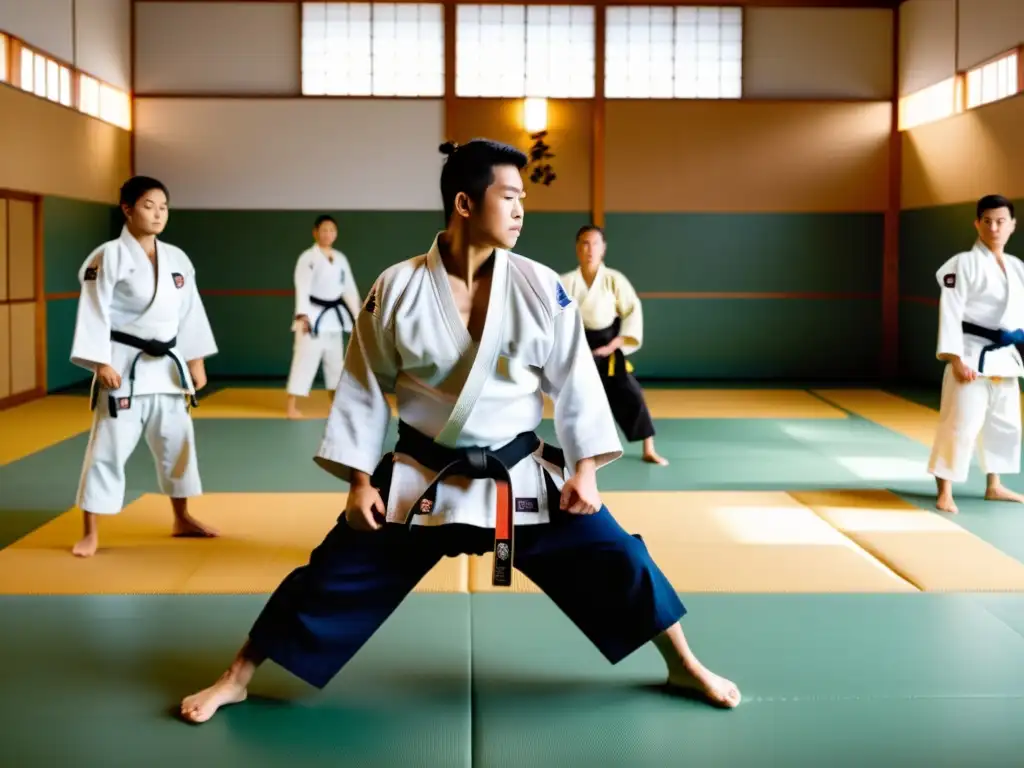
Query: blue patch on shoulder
(562, 296)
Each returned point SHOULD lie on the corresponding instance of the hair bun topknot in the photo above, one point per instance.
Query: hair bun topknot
(448, 148)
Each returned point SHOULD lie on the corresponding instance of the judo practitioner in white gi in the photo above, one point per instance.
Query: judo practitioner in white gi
(981, 333)
(326, 301)
(143, 332)
(614, 321)
(469, 337)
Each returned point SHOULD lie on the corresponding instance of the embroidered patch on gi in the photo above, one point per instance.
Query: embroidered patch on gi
(371, 302)
(91, 273)
(502, 551)
(179, 279)
(425, 506)
(562, 296)
(949, 280)
(124, 404)
(527, 505)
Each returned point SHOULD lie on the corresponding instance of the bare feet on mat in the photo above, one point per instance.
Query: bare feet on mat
(945, 503)
(293, 413)
(86, 546)
(999, 492)
(697, 680)
(200, 707)
(653, 458)
(187, 527)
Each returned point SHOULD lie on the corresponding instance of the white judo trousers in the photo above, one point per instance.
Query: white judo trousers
(982, 414)
(309, 352)
(167, 425)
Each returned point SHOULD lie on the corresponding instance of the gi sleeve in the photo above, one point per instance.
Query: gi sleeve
(360, 415)
(583, 418)
(303, 279)
(953, 279)
(351, 294)
(195, 336)
(98, 275)
(631, 314)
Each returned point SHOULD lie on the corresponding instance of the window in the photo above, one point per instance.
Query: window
(372, 49)
(109, 104)
(929, 104)
(665, 52)
(525, 50)
(44, 77)
(3, 58)
(992, 81)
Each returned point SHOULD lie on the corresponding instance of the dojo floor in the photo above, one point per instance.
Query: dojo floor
(862, 628)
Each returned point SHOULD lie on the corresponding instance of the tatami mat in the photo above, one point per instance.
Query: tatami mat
(929, 550)
(736, 542)
(890, 411)
(263, 537)
(25, 429)
(262, 403)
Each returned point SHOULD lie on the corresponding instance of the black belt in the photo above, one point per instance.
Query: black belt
(999, 339)
(476, 463)
(150, 347)
(326, 306)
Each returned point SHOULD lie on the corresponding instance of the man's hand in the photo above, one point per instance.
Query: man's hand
(363, 501)
(197, 370)
(579, 494)
(962, 372)
(608, 349)
(304, 322)
(109, 378)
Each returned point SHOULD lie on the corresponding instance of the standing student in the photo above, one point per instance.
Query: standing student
(613, 318)
(142, 330)
(469, 337)
(326, 301)
(981, 328)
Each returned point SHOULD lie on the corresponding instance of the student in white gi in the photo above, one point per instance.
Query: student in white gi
(981, 317)
(326, 300)
(142, 330)
(469, 337)
(614, 321)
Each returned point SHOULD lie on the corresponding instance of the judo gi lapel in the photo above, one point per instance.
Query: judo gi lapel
(482, 365)
(157, 308)
(594, 290)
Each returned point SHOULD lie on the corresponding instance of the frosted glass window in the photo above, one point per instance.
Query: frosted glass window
(992, 81)
(373, 49)
(115, 106)
(517, 51)
(89, 95)
(666, 52)
(3, 59)
(928, 105)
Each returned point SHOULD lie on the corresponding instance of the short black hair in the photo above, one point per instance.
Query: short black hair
(991, 203)
(470, 169)
(589, 228)
(322, 219)
(137, 186)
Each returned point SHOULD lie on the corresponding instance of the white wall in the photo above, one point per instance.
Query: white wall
(988, 28)
(103, 40)
(94, 35)
(817, 53)
(43, 24)
(342, 154)
(232, 48)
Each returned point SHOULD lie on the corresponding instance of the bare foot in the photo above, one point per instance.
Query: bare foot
(86, 546)
(945, 503)
(1000, 492)
(200, 707)
(654, 458)
(187, 527)
(293, 413)
(698, 680)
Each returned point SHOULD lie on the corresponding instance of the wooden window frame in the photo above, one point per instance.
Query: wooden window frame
(1017, 51)
(14, 47)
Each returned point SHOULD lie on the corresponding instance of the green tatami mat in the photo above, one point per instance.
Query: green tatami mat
(507, 680)
(1009, 609)
(823, 679)
(91, 682)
